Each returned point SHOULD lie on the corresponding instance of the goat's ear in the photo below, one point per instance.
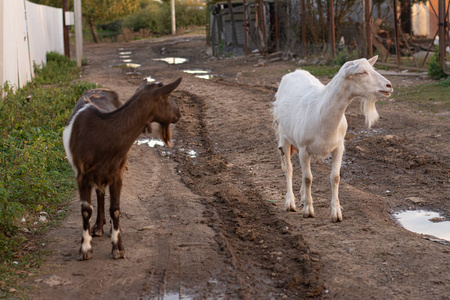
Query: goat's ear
(351, 70)
(373, 60)
(142, 85)
(167, 89)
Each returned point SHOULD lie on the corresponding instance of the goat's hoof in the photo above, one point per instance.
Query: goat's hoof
(308, 212)
(336, 215)
(116, 254)
(96, 231)
(336, 218)
(291, 208)
(85, 256)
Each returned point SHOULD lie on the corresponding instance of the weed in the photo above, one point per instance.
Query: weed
(434, 70)
(220, 47)
(34, 175)
(328, 71)
(345, 55)
(433, 97)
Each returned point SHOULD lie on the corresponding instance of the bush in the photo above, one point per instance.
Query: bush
(434, 70)
(58, 69)
(345, 55)
(445, 82)
(34, 174)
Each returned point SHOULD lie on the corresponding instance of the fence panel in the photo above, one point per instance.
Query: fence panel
(28, 32)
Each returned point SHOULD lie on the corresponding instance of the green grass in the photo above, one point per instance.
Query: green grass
(35, 178)
(434, 97)
(328, 71)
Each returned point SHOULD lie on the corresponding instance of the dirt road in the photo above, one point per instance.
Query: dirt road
(206, 220)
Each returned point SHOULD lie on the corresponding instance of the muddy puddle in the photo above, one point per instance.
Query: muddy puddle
(127, 65)
(178, 296)
(125, 60)
(199, 73)
(191, 153)
(172, 60)
(154, 143)
(425, 222)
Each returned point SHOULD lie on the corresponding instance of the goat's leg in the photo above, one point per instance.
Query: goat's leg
(116, 240)
(336, 213)
(85, 189)
(305, 162)
(288, 169)
(97, 229)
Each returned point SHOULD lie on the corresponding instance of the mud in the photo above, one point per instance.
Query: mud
(213, 225)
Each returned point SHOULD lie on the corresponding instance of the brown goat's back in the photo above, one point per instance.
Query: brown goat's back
(97, 139)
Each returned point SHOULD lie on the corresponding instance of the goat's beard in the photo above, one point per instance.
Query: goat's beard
(370, 111)
(165, 134)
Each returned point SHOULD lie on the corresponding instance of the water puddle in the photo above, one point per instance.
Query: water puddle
(152, 142)
(172, 60)
(203, 74)
(425, 222)
(178, 296)
(150, 79)
(207, 76)
(127, 65)
(190, 153)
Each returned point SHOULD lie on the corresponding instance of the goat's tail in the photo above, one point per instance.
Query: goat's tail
(279, 136)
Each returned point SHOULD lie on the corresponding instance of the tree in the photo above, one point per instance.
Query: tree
(103, 11)
(317, 17)
(99, 11)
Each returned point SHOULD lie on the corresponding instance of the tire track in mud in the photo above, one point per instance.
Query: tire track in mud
(258, 245)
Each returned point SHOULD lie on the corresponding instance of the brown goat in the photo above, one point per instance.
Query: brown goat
(97, 139)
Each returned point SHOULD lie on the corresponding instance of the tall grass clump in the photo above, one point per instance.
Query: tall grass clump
(36, 182)
(434, 70)
(345, 55)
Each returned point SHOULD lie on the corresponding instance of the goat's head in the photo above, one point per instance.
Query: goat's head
(164, 109)
(367, 84)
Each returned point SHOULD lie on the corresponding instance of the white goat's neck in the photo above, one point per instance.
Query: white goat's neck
(337, 96)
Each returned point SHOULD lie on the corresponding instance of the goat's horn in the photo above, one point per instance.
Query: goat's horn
(167, 89)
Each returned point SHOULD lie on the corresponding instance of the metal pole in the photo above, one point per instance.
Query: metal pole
(442, 35)
(78, 31)
(245, 28)
(303, 15)
(262, 23)
(65, 30)
(368, 14)
(208, 24)
(172, 12)
(332, 29)
(233, 24)
(397, 46)
(277, 28)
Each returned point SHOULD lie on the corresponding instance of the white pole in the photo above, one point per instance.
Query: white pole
(1, 45)
(172, 10)
(78, 32)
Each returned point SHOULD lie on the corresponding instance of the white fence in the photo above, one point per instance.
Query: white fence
(27, 32)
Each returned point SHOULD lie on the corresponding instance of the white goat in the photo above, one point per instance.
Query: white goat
(309, 117)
